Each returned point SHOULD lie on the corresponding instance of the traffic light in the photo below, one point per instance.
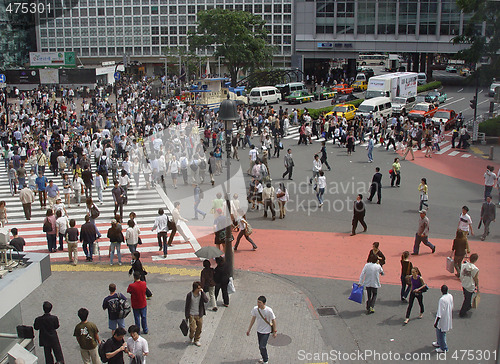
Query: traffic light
(473, 103)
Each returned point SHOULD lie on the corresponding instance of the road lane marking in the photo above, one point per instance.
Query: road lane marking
(449, 103)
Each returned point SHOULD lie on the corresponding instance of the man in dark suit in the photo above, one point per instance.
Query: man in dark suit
(359, 214)
(88, 179)
(118, 196)
(376, 186)
(48, 324)
(488, 214)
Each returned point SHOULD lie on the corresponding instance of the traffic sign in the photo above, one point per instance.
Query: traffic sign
(2, 78)
(117, 76)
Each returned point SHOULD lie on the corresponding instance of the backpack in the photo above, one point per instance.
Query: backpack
(120, 306)
(94, 212)
(47, 226)
(101, 352)
(203, 164)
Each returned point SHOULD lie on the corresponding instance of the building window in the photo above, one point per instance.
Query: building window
(118, 11)
(366, 18)
(173, 30)
(450, 18)
(155, 40)
(100, 12)
(407, 17)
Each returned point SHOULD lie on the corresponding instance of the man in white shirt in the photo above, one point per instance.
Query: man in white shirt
(370, 277)
(266, 324)
(161, 226)
(489, 181)
(252, 154)
(137, 346)
(465, 222)
(317, 166)
(469, 276)
(443, 322)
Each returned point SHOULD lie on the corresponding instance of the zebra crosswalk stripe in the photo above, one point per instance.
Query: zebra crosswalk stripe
(144, 202)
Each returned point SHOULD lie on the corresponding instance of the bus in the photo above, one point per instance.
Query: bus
(372, 59)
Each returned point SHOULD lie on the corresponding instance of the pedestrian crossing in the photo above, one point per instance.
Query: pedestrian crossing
(144, 202)
(446, 147)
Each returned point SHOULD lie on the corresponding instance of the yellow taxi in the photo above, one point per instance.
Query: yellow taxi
(346, 110)
(360, 85)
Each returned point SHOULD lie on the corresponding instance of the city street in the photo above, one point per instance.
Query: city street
(309, 253)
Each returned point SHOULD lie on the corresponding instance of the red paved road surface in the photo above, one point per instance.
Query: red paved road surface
(340, 256)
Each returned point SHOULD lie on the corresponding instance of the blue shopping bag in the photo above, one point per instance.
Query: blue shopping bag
(357, 293)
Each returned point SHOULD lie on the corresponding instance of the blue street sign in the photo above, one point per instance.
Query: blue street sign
(117, 76)
(2, 78)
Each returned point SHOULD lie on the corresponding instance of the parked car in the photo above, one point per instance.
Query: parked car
(436, 97)
(451, 69)
(421, 111)
(448, 117)
(401, 105)
(360, 85)
(298, 97)
(347, 110)
(342, 88)
(342, 99)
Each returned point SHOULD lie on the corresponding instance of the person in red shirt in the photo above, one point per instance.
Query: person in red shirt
(137, 292)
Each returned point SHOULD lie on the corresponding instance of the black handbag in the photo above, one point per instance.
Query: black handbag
(139, 240)
(184, 327)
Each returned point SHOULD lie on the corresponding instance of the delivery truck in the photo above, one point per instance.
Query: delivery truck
(398, 84)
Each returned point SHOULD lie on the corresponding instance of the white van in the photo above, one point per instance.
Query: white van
(378, 106)
(287, 88)
(421, 78)
(264, 95)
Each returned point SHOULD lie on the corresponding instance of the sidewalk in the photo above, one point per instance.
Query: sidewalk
(304, 336)
(223, 338)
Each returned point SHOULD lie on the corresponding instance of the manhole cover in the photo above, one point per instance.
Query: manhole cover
(327, 311)
(280, 340)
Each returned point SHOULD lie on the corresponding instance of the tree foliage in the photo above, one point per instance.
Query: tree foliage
(238, 36)
(487, 45)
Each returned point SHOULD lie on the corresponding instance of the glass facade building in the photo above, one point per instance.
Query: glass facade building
(17, 37)
(355, 26)
(145, 29)
(387, 17)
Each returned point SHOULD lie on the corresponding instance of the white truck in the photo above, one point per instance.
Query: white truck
(392, 85)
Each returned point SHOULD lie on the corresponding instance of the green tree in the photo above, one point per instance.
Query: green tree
(487, 45)
(238, 36)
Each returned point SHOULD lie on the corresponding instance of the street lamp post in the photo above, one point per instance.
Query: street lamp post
(228, 113)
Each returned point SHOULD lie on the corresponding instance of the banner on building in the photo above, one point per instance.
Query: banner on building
(52, 59)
